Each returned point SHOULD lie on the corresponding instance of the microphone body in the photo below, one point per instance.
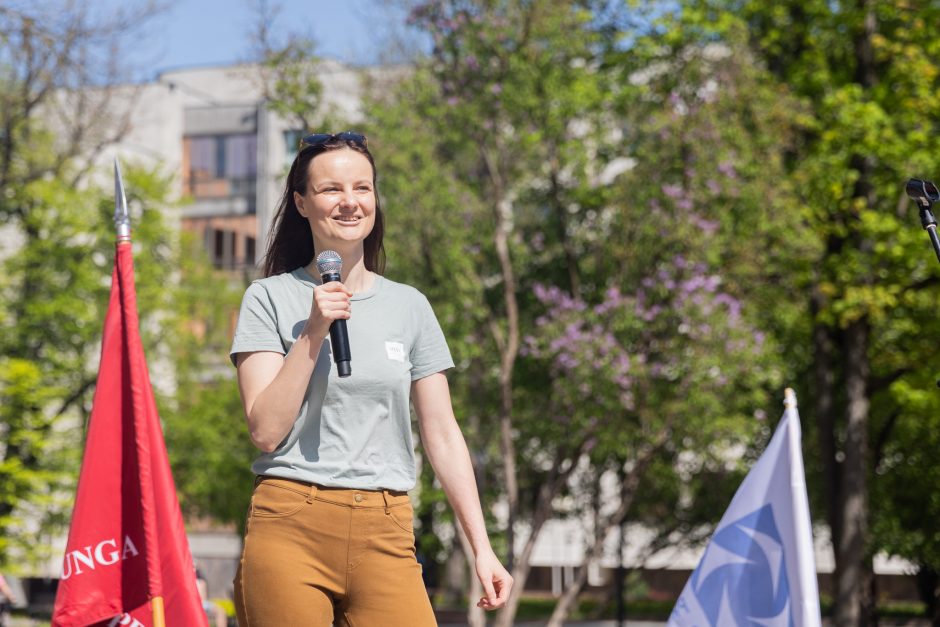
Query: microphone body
(329, 264)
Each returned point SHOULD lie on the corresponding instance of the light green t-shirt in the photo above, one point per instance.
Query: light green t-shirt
(352, 432)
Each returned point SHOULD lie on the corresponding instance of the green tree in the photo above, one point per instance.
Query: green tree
(208, 444)
(865, 74)
(703, 203)
(641, 377)
(905, 525)
(55, 269)
(55, 290)
(505, 81)
(288, 70)
(508, 149)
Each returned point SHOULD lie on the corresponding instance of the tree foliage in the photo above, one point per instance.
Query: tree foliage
(545, 187)
(636, 223)
(55, 290)
(64, 97)
(864, 74)
(207, 441)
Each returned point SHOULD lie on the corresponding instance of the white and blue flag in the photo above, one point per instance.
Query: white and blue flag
(759, 568)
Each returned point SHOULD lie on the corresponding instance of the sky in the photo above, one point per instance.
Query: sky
(192, 33)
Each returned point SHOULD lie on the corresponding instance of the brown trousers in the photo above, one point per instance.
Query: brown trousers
(316, 556)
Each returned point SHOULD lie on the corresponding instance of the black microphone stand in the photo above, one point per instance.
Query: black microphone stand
(925, 194)
(930, 223)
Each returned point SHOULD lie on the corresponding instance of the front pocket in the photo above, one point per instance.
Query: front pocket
(402, 516)
(271, 500)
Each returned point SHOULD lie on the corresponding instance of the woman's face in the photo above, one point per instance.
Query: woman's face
(339, 201)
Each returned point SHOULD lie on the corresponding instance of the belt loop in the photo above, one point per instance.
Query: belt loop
(313, 493)
(385, 498)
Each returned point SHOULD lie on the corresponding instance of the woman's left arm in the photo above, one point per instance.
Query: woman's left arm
(447, 451)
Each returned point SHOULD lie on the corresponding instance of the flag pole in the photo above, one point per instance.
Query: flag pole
(122, 227)
(122, 220)
(156, 603)
(803, 533)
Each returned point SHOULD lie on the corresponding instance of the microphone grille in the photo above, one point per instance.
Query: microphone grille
(329, 262)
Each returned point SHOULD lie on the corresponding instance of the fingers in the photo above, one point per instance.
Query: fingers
(489, 599)
(331, 302)
(503, 586)
(333, 286)
(496, 587)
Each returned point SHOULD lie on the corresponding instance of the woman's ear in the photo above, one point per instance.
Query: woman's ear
(299, 203)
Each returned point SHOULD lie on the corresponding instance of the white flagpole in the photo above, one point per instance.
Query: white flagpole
(806, 572)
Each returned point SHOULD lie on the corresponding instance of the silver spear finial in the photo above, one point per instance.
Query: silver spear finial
(122, 220)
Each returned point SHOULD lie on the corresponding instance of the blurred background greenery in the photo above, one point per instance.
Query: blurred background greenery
(637, 223)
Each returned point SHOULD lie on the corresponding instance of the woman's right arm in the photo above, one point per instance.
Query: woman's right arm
(6, 591)
(272, 385)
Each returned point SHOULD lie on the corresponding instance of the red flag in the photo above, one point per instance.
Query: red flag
(127, 545)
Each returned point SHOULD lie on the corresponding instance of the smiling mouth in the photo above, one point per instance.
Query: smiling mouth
(347, 219)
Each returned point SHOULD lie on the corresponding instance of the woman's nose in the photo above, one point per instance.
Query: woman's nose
(348, 200)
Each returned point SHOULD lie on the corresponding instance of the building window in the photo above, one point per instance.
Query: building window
(249, 251)
(221, 166)
(218, 247)
(221, 246)
(219, 170)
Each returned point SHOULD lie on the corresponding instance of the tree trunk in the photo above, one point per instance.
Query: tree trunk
(928, 588)
(543, 512)
(628, 491)
(569, 598)
(509, 352)
(522, 568)
(824, 380)
(852, 583)
(455, 577)
(570, 595)
(571, 257)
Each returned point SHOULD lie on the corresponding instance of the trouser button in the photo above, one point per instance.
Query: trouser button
(358, 498)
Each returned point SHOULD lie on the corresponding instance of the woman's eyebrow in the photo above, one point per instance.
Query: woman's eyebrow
(318, 184)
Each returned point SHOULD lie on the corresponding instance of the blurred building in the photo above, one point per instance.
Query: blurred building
(227, 152)
(661, 571)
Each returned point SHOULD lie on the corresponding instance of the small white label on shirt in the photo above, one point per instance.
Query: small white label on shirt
(395, 351)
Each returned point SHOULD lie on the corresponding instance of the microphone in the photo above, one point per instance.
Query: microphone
(329, 265)
(924, 193)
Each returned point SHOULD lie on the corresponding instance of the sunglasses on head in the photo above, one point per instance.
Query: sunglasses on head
(321, 138)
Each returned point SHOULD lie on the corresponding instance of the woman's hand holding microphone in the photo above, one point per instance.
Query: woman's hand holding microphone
(330, 302)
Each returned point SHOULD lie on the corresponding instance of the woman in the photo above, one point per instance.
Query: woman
(7, 599)
(329, 535)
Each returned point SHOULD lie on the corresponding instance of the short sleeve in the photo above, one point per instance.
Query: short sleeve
(429, 352)
(257, 324)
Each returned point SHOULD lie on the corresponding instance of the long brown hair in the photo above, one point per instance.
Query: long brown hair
(290, 244)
